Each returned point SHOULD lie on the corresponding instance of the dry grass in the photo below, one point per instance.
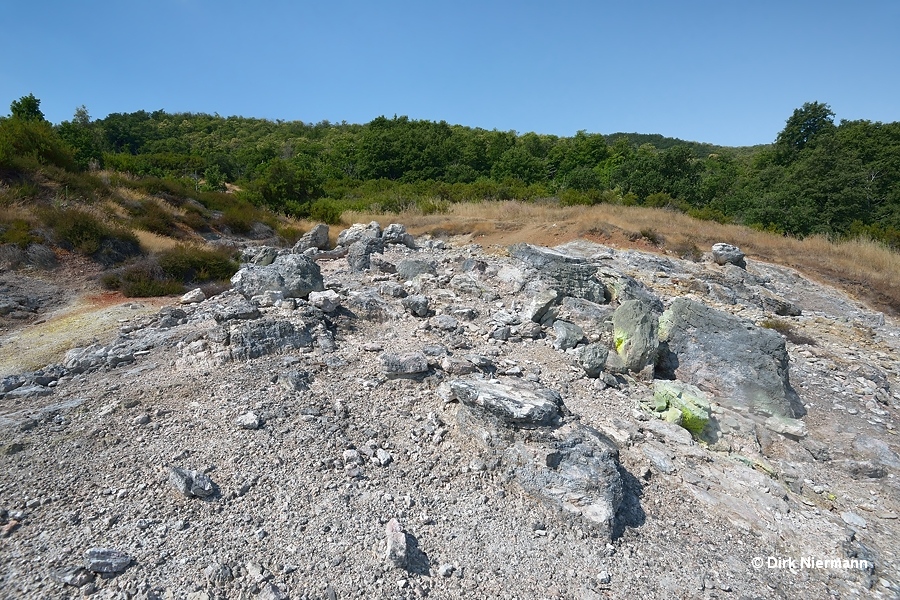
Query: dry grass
(866, 269)
(154, 243)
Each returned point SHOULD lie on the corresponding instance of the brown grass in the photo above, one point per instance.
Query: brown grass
(154, 243)
(867, 270)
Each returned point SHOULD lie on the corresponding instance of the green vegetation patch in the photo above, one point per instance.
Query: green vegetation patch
(81, 231)
(169, 272)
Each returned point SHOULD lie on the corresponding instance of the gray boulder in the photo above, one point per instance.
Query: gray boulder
(724, 254)
(369, 305)
(395, 542)
(634, 335)
(409, 268)
(538, 304)
(395, 233)
(570, 275)
(572, 468)
(623, 287)
(193, 296)
(742, 365)
(252, 339)
(591, 317)
(317, 237)
(106, 560)
(357, 232)
(358, 256)
(416, 305)
(397, 365)
(327, 301)
(568, 335)
(511, 401)
(295, 275)
(592, 358)
(260, 256)
(579, 473)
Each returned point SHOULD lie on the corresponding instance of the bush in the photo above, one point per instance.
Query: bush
(652, 236)
(150, 216)
(82, 232)
(143, 279)
(195, 265)
(167, 273)
(289, 234)
(29, 143)
(238, 220)
(326, 210)
(787, 330)
(18, 232)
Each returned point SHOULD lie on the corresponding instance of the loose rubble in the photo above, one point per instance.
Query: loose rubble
(415, 417)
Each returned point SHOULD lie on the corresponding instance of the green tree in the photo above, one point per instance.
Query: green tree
(812, 119)
(27, 108)
(85, 139)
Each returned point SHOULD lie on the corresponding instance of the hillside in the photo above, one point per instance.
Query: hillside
(818, 176)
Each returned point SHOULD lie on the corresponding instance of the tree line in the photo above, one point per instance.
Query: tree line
(818, 176)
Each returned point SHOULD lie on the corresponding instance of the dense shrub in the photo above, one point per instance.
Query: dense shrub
(77, 230)
(18, 232)
(142, 279)
(150, 216)
(195, 265)
(168, 272)
(31, 143)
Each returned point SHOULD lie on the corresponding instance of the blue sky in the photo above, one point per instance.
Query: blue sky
(725, 72)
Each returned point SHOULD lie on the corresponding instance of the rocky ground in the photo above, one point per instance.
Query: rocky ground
(409, 418)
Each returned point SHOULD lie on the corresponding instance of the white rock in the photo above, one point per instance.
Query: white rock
(193, 296)
(248, 420)
(327, 301)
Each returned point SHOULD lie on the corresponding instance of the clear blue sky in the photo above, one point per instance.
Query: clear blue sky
(726, 72)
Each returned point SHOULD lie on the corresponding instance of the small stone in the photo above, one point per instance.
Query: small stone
(417, 305)
(444, 323)
(383, 457)
(604, 577)
(352, 457)
(256, 572)
(396, 544)
(218, 574)
(400, 365)
(270, 591)
(74, 576)
(106, 560)
(446, 570)
(191, 483)
(794, 428)
(248, 420)
(726, 253)
(141, 419)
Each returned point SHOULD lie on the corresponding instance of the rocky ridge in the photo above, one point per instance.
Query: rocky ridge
(402, 417)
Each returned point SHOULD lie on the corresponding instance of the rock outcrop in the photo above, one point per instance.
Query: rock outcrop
(421, 418)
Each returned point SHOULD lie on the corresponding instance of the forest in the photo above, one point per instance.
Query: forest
(817, 177)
